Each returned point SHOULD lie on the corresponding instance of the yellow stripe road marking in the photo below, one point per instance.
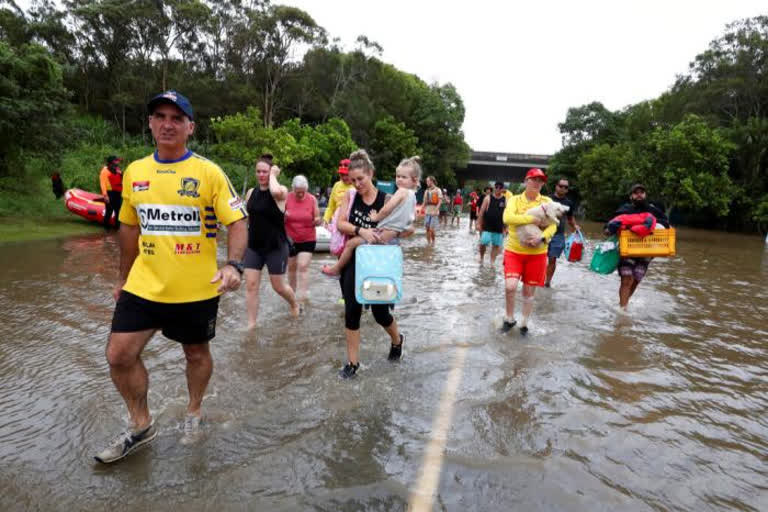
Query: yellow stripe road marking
(423, 495)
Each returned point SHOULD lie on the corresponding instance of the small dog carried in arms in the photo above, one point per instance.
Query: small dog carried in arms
(548, 212)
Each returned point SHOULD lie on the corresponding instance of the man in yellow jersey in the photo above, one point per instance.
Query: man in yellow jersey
(169, 280)
(524, 260)
(337, 192)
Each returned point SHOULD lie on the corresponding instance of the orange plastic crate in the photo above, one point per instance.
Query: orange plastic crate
(661, 243)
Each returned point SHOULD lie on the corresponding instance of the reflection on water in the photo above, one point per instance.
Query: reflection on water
(662, 408)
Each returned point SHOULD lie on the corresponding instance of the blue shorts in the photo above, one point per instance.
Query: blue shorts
(431, 221)
(556, 246)
(490, 238)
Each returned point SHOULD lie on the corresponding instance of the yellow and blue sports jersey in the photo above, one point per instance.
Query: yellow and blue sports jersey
(177, 205)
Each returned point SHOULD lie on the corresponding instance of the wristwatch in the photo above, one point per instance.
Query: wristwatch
(357, 230)
(237, 264)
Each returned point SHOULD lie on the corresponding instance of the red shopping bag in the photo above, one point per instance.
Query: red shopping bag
(574, 247)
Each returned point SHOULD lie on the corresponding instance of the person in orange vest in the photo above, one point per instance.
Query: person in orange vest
(111, 181)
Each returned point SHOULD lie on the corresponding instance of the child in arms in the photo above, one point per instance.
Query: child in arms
(395, 216)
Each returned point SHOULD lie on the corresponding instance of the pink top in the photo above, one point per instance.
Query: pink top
(300, 217)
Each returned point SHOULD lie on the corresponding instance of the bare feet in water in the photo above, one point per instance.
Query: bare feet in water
(329, 271)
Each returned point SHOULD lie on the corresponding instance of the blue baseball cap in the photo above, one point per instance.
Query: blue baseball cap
(173, 98)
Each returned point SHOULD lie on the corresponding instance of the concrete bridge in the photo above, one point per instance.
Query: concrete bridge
(506, 167)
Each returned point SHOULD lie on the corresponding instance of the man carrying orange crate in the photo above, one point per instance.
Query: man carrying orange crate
(632, 270)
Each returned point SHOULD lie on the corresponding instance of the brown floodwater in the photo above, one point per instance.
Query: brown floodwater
(663, 408)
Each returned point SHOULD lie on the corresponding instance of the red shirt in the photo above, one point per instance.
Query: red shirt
(458, 200)
(473, 200)
(300, 217)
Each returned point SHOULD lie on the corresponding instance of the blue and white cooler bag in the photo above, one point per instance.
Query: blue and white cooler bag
(378, 274)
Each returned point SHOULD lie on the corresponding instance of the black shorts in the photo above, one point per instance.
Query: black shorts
(276, 259)
(302, 247)
(186, 322)
(472, 214)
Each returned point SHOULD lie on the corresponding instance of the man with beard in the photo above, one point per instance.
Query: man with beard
(632, 270)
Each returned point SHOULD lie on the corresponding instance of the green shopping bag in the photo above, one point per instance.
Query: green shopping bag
(606, 256)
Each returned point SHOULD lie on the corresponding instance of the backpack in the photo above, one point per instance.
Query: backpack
(339, 239)
(378, 274)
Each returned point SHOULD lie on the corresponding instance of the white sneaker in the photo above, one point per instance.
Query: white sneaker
(125, 443)
(192, 430)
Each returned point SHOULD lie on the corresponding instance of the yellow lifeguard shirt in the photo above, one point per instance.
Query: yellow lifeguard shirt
(337, 195)
(177, 204)
(514, 216)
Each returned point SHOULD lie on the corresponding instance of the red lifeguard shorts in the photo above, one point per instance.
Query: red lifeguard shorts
(530, 268)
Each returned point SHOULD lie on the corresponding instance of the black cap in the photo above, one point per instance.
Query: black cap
(637, 186)
(173, 98)
(499, 184)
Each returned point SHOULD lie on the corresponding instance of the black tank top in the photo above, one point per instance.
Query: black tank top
(266, 223)
(359, 214)
(492, 218)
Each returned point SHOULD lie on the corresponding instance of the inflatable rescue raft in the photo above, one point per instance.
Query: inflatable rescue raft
(87, 205)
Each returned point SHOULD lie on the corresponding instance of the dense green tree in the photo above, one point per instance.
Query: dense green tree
(32, 99)
(243, 138)
(298, 148)
(584, 128)
(14, 29)
(321, 147)
(392, 141)
(689, 167)
(592, 123)
(713, 166)
(607, 172)
(317, 101)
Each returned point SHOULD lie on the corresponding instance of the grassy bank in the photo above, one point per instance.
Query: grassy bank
(28, 208)
(31, 212)
(14, 229)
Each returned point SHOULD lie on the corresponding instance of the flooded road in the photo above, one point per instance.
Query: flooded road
(664, 408)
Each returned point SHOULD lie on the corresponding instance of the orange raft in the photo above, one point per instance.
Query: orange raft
(87, 205)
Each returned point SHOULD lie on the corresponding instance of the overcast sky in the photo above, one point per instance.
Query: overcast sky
(519, 65)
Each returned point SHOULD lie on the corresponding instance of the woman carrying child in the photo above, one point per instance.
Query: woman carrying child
(358, 223)
(395, 216)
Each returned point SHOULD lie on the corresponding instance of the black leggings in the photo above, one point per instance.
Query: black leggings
(353, 309)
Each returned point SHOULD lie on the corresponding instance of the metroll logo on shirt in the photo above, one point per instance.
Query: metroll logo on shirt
(169, 220)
